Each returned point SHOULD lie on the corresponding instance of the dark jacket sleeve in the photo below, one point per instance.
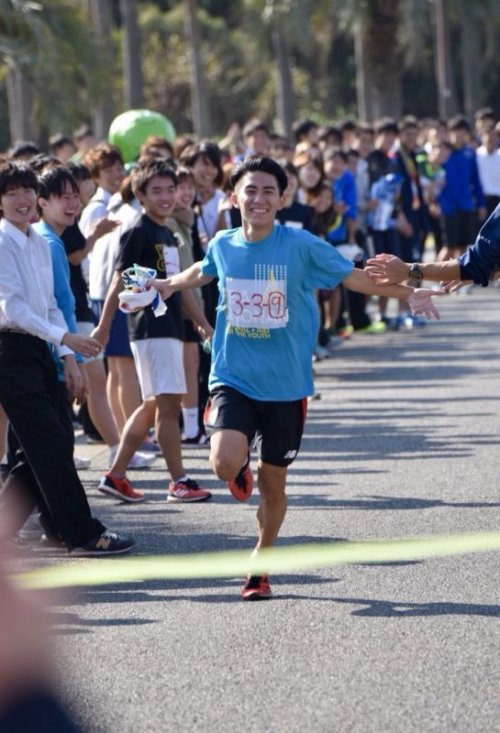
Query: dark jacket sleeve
(37, 713)
(483, 257)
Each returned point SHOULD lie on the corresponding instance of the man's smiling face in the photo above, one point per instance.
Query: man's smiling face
(18, 206)
(257, 196)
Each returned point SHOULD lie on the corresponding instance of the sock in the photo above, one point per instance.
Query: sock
(190, 418)
(182, 478)
(112, 451)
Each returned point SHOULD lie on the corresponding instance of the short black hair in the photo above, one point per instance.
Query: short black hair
(302, 128)
(259, 163)
(43, 161)
(54, 181)
(79, 171)
(348, 125)
(459, 122)
(144, 172)
(485, 113)
(386, 124)
(333, 152)
(16, 174)
(280, 141)
(328, 131)
(204, 149)
(23, 149)
(59, 140)
(253, 125)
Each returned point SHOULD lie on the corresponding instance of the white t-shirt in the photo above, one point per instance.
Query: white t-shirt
(105, 252)
(209, 213)
(489, 170)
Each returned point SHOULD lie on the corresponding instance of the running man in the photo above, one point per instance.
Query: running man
(266, 327)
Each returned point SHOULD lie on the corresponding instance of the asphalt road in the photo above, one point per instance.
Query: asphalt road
(403, 442)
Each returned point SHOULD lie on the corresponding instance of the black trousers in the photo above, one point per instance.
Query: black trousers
(43, 473)
(491, 203)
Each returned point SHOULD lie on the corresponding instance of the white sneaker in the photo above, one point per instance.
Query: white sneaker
(142, 460)
(81, 463)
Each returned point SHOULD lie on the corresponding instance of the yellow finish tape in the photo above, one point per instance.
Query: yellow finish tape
(238, 563)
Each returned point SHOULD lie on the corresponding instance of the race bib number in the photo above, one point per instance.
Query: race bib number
(257, 303)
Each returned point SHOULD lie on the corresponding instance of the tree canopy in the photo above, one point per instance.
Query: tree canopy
(62, 60)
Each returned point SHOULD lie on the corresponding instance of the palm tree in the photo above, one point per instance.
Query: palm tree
(447, 100)
(199, 102)
(17, 23)
(275, 13)
(103, 112)
(132, 56)
(52, 68)
(379, 58)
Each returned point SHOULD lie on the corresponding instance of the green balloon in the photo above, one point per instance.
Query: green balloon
(129, 130)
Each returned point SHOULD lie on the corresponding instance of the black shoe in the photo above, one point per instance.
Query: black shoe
(200, 439)
(108, 543)
(50, 542)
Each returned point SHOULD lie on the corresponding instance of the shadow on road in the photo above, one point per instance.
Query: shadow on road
(375, 502)
(391, 609)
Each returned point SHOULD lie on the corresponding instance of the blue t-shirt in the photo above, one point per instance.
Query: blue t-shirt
(344, 191)
(267, 317)
(62, 288)
(60, 267)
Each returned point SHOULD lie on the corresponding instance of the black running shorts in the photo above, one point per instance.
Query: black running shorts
(276, 427)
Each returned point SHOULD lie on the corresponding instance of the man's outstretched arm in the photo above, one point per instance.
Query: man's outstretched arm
(419, 300)
(185, 280)
(387, 269)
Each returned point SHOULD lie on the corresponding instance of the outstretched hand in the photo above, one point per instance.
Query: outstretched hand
(452, 286)
(386, 269)
(420, 302)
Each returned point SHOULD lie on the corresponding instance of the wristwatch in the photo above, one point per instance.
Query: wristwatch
(416, 275)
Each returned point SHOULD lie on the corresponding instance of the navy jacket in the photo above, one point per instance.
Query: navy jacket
(483, 257)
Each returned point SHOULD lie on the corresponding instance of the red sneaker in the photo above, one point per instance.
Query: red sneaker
(256, 588)
(187, 491)
(121, 488)
(241, 486)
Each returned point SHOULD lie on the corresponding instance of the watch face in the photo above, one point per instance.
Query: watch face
(416, 274)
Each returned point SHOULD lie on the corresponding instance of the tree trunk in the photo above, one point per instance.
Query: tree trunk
(447, 99)
(363, 81)
(285, 100)
(100, 14)
(199, 102)
(20, 100)
(132, 70)
(471, 58)
(380, 29)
